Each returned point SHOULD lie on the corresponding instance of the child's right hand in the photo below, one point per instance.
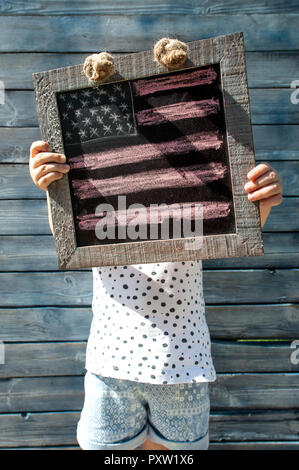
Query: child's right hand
(44, 165)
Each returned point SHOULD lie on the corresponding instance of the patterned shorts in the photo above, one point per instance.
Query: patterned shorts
(120, 414)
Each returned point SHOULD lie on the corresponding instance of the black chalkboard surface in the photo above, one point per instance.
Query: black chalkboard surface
(153, 141)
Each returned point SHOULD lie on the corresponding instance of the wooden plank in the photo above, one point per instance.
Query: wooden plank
(254, 391)
(270, 321)
(272, 106)
(15, 143)
(154, 7)
(38, 429)
(16, 182)
(42, 359)
(253, 321)
(254, 425)
(17, 69)
(279, 219)
(30, 217)
(68, 358)
(229, 392)
(42, 394)
(129, 33)
(268, 106)
(38, 253)
(56, 429)
(220, 287)
(46, 324)
(275, 445)
(277, 142)
(18, 110)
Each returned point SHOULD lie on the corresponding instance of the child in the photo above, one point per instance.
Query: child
(148, 355)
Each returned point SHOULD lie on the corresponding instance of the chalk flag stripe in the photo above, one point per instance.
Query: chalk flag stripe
(121, 155)
(217, 211)
(157, 178)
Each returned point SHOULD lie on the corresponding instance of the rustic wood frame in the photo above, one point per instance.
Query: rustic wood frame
(227, 50)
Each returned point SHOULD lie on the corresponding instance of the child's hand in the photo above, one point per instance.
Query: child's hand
(264, 186)
(44, 165)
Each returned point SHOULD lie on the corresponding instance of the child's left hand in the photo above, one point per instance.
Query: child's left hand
(264, 186)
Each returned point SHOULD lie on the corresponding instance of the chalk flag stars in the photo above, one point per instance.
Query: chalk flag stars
(88, 115)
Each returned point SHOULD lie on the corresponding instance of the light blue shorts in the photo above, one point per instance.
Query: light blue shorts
(120, 414)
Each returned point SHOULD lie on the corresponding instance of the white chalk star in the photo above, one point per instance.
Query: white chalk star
(127, 116)
(84, 103)
(99, 119)
(107, 129)
(93, 132)
(65, 115)
(119, 128)
(115, 117)
(106, 109)
(129, 126)
(74, 124)
(87, 121)
(68, 135)
(101, 91)
(112, 98)
(69, 106)
(78, 112)
(74, 96)
(97, 100)
(93, 112)
(123, 93)
(117, 87)
(82, 133)
(86, 93)
(124, 106)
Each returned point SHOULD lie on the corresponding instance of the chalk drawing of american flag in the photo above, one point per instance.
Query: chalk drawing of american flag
(154, 140)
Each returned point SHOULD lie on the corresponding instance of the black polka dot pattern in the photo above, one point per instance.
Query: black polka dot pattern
(149, 324)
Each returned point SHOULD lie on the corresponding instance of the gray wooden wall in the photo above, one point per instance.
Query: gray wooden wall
(45, 314)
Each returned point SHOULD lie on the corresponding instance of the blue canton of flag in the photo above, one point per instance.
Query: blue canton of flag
(96, 113)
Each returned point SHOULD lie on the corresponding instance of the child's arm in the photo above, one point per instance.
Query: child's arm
(264, 186)
(45, 167)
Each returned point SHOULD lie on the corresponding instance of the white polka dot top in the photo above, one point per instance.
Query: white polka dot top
(149, 324)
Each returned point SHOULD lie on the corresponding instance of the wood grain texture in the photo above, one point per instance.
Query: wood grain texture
(56, 428)
(154, 7)
(131, 33)
(68, 358)
(227, 322)
(38, 253)
(250, 411)
(51, 323)
(230, 392)
(220, 287)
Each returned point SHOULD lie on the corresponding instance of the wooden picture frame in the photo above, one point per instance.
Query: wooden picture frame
(245, 239)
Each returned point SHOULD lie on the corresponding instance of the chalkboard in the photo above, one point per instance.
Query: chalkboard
(158, 159)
